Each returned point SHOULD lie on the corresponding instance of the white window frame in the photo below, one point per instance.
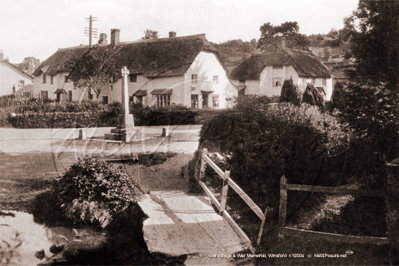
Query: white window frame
(215, 79)
(163, 100)
(277, 81)
(194, 78)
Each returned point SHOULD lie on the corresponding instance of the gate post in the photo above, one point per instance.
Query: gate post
(225, 189)
(283, 202)
(203, 165)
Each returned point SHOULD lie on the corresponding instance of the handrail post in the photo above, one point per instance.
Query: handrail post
(203, 165)
(261, 227)
(283, 202)
(225, 189)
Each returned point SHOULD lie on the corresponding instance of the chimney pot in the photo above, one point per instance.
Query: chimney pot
(281, 42)
(172, 34)
(103, 39)
(115, 37)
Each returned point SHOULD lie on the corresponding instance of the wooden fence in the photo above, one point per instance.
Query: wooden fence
(284, 187)
(221, 206)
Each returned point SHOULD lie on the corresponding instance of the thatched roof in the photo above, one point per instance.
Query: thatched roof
(153, 58)
(305, 63)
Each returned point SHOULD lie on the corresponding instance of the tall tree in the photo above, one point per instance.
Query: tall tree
(374, 34)
(150, 34)
(289, 30)
(95, 69)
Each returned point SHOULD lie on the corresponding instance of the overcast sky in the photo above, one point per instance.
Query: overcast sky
(39, 27)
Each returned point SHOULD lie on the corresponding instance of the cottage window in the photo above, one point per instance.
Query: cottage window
(44, 78)
(277, 82)
(105, 99)
(51, 79)
(324, 82)
(21, 83)
(70, 96)
(215, 79)
(112, 87)
(66, 79)
(215, 100)
(74, 86)
(26, 94)
(13, 89)
(194, 100)
(194, 79)
(163, 100)
(133, 77)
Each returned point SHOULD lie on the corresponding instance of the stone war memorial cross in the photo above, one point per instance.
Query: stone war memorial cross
(125, 120)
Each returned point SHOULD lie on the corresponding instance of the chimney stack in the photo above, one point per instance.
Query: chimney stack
(115, 37)
(281, 42)
(1, 55)
(172, 34)
(103, 39)
(31, 66)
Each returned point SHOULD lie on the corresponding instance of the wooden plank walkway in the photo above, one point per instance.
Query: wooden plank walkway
(182, 224)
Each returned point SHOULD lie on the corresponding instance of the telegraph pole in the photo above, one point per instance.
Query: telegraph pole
(89, 31)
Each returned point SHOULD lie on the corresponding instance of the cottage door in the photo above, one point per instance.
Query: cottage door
(205, 100)
(44, 95)
(194, 100)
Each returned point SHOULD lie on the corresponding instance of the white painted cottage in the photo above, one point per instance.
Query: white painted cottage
(176, 70)
(265, 73)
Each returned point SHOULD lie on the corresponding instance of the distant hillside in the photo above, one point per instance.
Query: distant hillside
(234, 52)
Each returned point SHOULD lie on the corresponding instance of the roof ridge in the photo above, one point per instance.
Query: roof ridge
(202, 35)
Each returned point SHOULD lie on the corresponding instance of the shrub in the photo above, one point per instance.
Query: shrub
(290, 93)
(93, 191)
(156, 116)
(313, 97)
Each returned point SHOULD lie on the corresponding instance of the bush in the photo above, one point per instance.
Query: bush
(157, 116)
(290, 93)
(93, 191)
(313, 97)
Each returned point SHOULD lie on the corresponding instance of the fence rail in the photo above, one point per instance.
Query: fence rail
(284, 187)
(221, 206)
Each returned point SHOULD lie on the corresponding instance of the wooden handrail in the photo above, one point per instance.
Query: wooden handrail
(210, 195)
(333, 190)
(246, 198)
(214, 166)
(227, 181)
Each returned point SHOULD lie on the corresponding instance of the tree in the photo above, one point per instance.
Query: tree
(373, 31)
(289, 30)
(95, 68)
(150, 34)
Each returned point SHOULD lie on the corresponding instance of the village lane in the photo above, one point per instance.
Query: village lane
(37, 153)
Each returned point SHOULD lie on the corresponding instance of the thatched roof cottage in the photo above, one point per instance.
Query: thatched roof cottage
(176, 70)
(265, 73)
